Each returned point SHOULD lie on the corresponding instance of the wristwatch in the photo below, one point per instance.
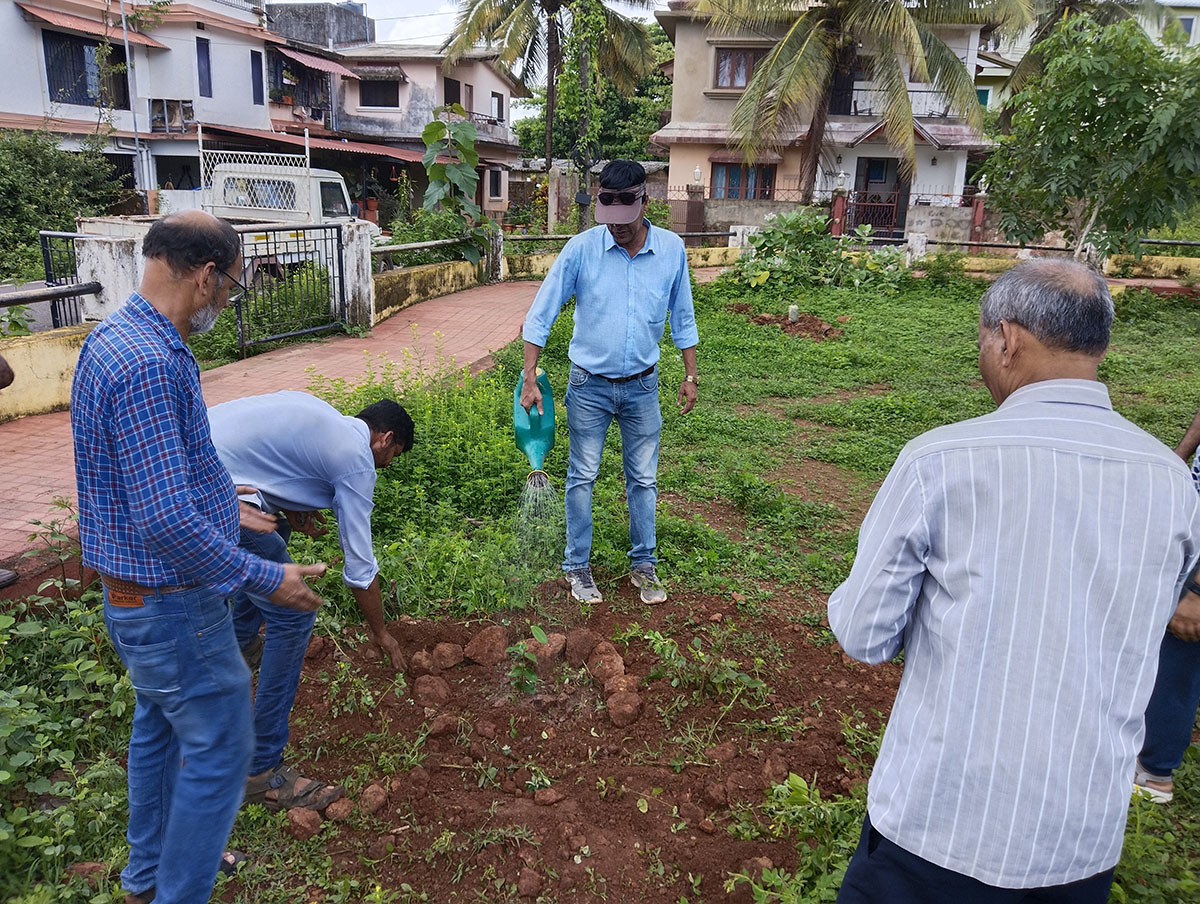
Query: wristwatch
(694, 380)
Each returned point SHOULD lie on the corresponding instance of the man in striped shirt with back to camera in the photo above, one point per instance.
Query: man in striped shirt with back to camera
(1027, 563)
(158, 519)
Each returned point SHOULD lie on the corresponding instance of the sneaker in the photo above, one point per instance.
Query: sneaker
(583, 587)
(645, 578)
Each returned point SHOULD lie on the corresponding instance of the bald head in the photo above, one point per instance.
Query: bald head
(190, 239)
(1064, 305)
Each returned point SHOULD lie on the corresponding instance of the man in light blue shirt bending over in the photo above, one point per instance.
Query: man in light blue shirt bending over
(628, 279)
(302, 455)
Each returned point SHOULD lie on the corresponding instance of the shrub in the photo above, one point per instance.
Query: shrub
(427, 226)
(795, 250)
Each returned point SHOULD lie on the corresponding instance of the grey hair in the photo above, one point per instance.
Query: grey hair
(1064, 304)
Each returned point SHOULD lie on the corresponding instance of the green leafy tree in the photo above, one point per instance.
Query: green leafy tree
(529, 36)
(1105, 143)
(44, 187)
(1049, 13)
(626, 119)
(792, 86)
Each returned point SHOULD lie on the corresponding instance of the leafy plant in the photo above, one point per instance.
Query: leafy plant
(452, 184)
(524, 670)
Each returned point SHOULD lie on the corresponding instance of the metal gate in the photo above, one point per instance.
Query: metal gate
(295, 277)
(58, 260)
(880, 210)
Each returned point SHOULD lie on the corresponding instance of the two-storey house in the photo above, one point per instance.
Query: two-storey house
(712, 70)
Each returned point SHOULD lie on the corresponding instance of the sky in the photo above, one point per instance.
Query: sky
(430, 21)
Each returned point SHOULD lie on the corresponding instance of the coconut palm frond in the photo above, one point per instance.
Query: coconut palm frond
(765, 18)
(889, 27)
(892, 81)
(521, 40)
(626, 55)
(1009, 16)
(786, 85)
(477, 21)
(949, 76)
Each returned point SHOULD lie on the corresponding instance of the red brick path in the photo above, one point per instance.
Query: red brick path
(37, 464)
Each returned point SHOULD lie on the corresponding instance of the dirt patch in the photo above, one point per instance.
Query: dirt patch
(820, 481)
(846, 395)
(807, 325)
(717, 515)
(541, 794)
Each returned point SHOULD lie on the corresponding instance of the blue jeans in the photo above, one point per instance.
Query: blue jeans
(284, 646)
(191, 738)
(1171, 712)
(881, 872)
(592, 402)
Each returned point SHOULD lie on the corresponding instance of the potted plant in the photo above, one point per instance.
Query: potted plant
(276, 95)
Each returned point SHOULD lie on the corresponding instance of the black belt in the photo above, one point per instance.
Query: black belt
(645, 373)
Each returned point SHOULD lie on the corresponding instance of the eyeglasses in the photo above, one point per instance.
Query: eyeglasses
(624, 198)
(234, 297)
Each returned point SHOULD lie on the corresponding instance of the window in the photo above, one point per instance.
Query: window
(497, 107)
(204, 67)
(452, 90)
(984, 95)
(736, 181)
(864, 67)
(79, 72)
(1186, 23)
(379, 93)
(735, 66)
(256, 77)
(333, 201)
(468, 97)
(494, 185)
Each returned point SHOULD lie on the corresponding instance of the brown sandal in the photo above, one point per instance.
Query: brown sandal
(275, 789)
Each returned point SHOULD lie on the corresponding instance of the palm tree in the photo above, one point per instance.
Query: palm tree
(817, 42)
(529, 35)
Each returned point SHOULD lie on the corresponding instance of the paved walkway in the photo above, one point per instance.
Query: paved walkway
(36, 460)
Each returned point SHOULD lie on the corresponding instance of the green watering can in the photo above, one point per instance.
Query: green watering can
(534, 432)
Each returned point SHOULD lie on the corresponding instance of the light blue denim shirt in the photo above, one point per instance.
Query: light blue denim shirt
(621, 303)
(302, 454)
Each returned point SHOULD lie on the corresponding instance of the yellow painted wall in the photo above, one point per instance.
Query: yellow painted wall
(397, 289)
(44, 364)
(712, 257)
(1181, 268)
(536, 266)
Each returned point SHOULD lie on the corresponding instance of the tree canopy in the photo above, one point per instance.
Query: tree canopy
(627, 119)
(1105, 142)
(44, 187)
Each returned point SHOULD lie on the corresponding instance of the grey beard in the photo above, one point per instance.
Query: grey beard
(204, 319)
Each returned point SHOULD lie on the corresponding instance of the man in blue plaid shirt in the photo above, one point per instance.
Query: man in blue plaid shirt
(158, 519)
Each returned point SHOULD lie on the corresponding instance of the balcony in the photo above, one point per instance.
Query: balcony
(871, 102)
(167, 115)
(491, 127)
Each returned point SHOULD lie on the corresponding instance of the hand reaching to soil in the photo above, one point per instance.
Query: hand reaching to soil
(390, 648)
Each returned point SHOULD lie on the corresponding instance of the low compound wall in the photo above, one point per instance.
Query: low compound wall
(395, 290)
(1183, 269)
(44, 365)
(536, 266)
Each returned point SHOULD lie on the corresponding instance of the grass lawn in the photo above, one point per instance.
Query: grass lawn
(762, 488)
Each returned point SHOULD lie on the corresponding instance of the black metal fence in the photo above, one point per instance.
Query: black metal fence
(58, 260)
(295, 276)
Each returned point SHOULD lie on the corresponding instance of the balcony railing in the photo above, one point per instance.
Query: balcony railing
(872, 102)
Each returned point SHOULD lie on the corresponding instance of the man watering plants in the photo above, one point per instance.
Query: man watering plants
(302, 455)
(158, 519)
(629, 279)
(1027, 562)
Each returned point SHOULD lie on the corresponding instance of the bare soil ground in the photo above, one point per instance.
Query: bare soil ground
(541, 795)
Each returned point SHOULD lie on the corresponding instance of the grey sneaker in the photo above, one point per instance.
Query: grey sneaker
(583, 587)
(645, 578)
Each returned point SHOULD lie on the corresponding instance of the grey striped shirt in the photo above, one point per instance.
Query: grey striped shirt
(1027, 562)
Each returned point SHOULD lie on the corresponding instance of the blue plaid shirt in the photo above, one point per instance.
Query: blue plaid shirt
(156, 506)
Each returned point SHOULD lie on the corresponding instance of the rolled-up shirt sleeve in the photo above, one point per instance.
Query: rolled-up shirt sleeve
(870, 611)
(353, 502)
(682, 311)
(556, 289)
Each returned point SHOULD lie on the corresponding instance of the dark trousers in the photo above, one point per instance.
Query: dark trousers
(881, 872)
